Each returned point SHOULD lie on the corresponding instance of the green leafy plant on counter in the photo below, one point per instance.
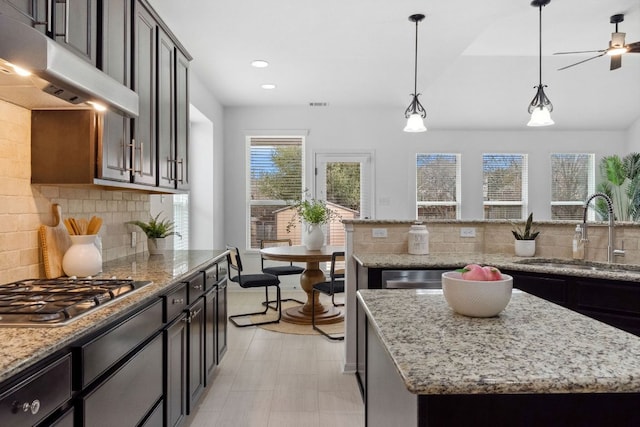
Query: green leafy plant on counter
(155, 228)
(529, 232)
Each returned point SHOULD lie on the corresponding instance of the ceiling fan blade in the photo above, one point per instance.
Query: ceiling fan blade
(577, 63)
(634, 47)
(616, 62)
(579, 51)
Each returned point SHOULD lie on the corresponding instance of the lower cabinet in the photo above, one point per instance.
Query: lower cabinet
(129, 394)
(221, 324)
(196, 349)
(616, 303)
(175, 341)
(210, 332)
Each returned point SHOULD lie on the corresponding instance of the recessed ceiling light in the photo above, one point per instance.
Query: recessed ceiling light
(268, 86)
(259, 63)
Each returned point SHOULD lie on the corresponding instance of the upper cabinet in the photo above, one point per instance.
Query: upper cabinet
(72, 23)
(148, 152)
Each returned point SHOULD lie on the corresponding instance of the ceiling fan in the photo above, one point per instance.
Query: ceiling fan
(616, 48)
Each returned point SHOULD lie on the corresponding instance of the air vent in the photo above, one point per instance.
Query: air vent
(318, 104)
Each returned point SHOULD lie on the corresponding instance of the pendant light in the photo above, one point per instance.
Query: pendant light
(415, 111)
(540, 107)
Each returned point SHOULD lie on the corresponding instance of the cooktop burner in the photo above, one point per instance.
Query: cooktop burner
(56, 302)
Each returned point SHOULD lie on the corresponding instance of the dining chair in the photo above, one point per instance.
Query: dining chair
(333, 286)
(249, 281)
(282, 269)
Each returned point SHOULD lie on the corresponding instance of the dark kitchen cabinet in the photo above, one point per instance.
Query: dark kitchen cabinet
(616, 303)
(38, 395)
(74, 24)
(176, 371)
(210, 343)
(30, 12)
(71, 23)
(143, 159)
(196, 330)
(117, 144)
(166, 111)
(221, 326)
(181, 173)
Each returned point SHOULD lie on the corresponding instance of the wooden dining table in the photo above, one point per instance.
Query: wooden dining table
(325, 314)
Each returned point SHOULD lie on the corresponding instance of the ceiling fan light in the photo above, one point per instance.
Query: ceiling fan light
(540, 116)
(613, 51)
(415, 124)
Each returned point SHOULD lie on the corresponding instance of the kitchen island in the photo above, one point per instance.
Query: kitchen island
(535, 364)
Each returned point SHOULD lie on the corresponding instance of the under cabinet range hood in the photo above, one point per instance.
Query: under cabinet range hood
(58, 78)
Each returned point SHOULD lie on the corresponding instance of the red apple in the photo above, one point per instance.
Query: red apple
(492, 273)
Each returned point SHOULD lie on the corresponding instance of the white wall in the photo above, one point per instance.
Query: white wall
(633, 137)
(380, 129)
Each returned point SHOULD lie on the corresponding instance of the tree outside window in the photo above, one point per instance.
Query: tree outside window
(438, 186)
(572, 180)
(504, 186)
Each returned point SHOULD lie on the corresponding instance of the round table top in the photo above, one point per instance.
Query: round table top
(299, 253)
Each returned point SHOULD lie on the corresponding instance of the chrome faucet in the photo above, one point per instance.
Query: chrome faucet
(611, 251)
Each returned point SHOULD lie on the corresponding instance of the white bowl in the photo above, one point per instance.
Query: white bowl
(476, 298)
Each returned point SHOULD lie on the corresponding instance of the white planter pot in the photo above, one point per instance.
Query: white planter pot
(313, 237)
(159, 246)
(525, 247)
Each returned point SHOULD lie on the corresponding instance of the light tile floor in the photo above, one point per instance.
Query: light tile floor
(269, 379)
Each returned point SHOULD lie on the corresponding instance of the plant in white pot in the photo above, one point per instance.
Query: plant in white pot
(157, 230)
(525, 243)
(313, 214)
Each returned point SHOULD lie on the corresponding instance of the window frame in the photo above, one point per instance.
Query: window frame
(524, 202)
(457, 203)
(591, 185)
(249, 203)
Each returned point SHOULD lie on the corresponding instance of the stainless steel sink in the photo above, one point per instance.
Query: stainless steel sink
(578, 265)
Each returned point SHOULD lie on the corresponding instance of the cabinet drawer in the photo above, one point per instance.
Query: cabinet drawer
(195, 288)
(127, 396)
(210, 277)
(44, 392)
(99, 354)
(175, 302)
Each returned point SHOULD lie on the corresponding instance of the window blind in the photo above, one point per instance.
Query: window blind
(572, 180)
(438, 185)
(505, 183)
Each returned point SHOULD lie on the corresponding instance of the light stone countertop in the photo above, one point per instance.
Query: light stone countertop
(22, 347)
(624, 272)
(533, 346)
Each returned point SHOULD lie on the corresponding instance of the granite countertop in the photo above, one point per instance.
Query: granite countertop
(22, 347)
(533, 346)
(623, 272)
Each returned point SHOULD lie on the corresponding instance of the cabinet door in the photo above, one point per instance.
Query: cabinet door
(30, 12)
(221, 324)
(196, 353)
(75, 26)
(182, 121)
(144, 83)
(116, 62)
(166, 111)
(176, 372)
(210, 345)
(552, 289)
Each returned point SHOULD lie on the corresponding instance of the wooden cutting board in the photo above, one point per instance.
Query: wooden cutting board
(55, 241)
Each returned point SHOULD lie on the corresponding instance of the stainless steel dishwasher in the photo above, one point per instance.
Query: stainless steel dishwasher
(412, 279)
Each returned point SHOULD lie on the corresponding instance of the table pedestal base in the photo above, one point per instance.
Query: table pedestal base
(324, 315)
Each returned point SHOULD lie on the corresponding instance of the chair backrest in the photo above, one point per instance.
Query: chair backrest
(233, 259)
(337, 271)
(272, 243)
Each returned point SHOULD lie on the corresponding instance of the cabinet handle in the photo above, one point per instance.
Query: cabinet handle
(170, 171)
(178, 301)
(133, 155)
(34, 406)
(195, 313)
(198, 286)
(181, 163)
(141, 157)
(66, 21)
(49, 16)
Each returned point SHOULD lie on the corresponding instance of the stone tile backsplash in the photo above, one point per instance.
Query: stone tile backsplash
(24, 207)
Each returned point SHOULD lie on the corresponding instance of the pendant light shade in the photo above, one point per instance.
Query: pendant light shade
(415, 112)
(540, 107)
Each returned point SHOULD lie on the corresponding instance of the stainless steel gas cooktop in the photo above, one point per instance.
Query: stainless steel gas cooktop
(57, 302)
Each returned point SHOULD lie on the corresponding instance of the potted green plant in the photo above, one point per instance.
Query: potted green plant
(156, 231)
(525, 243)
(313, 214)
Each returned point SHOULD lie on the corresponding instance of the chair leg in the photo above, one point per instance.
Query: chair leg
(244, 325)
(313, 321)
(267, 302)
(333, 301)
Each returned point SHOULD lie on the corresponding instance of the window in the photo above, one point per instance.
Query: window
(504, 186)
(438, 186)
(276, 177)
(572, 180)
(181, 221)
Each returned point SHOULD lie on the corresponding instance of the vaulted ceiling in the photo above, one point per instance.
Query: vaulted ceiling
(477, 60)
